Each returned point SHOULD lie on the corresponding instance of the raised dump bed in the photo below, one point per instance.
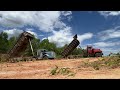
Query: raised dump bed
(20, 45)
(70, 47)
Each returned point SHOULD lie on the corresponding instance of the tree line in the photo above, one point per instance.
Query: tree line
(7, 43)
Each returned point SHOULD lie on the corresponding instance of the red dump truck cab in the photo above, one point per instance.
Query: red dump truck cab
(94, 52)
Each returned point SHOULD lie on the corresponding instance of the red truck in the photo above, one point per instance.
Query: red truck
(88, 52)
(92, 52)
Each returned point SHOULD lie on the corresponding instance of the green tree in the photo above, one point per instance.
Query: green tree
(12, 42)
(77, 51)
(4, 44)
(45, 44)
(35, 45)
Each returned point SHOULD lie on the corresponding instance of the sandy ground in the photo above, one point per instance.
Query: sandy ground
(42, 69)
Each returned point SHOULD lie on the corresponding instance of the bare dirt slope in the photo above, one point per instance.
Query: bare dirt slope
(42, 69)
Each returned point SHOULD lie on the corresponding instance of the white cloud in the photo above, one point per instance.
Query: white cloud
(29, 29)
(110, 33)
(17, 32)
(66, 13)
(61, 37)
(104, 44)
(59, 25)
(109, 13)
(35, 34)
(107, 43)
(107, 51)
(45, 20)
(65, 36)
(44, 38)
(106, 47)
(13, 32)
(85, 36)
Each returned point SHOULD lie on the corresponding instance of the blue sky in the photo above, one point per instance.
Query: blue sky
(101, 29)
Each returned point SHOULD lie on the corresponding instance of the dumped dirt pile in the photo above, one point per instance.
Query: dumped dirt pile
(43, 70)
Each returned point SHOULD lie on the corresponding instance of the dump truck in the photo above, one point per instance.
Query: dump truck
(23, 40)
(68, 50)
(45, 54)
(88, 52)
(92, 52)
(21, 45)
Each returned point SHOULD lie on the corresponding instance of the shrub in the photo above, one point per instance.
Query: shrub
(54, 71)
(109, 62)
(113, 62)
(62, 71)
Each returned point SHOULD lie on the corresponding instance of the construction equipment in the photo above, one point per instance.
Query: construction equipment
(45, 54)
(88, 52)
(25, 39)
(92, 52)
(21, 45)
(67, 51)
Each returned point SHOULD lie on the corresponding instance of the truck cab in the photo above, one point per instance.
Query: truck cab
(94, 52)
(45, 54)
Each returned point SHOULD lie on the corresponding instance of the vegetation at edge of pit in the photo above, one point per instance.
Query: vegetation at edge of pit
(61, 71)
(110, 62)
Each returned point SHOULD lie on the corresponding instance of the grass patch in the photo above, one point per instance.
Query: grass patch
(113, 62)
(108, 62)
(3, 58)
(61, 71)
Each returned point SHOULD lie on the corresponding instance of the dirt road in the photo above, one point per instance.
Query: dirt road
(42, 69)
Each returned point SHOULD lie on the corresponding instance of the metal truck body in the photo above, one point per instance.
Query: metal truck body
(92, 52)
(44, 54)
(67, 51)
(20, 45)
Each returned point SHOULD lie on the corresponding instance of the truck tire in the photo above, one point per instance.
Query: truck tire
(45, 58)
(98, 54)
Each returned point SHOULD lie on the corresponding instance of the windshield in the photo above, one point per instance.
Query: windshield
(51, 54)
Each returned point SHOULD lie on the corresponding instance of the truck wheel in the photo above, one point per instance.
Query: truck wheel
(98, 55)
(45, 57)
